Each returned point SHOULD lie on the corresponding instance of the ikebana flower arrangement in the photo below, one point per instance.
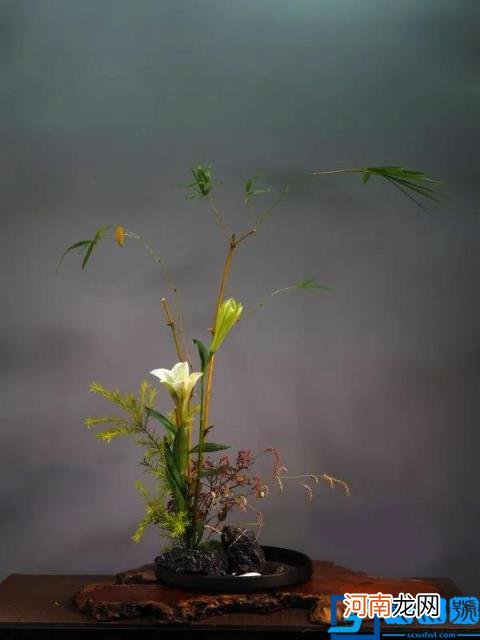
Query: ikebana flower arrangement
(197, 486)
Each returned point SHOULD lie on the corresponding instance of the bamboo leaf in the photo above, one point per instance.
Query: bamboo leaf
(209, 447)
(88, 253)
(174, 478)
(202, 184)
(203, 352)
(420, 188)
(81, 244)
(310, 284)
(407, 181)
(98, 235)
(169, 426)
(172, 467)
(407, 194)
(86, 246)
(251, 190)
(180, 449)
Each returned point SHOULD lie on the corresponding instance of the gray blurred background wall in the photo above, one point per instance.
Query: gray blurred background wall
(104, 106)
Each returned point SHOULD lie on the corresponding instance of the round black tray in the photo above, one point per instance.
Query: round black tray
(298, 568)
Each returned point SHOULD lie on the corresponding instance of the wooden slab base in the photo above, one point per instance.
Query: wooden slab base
(135, 594)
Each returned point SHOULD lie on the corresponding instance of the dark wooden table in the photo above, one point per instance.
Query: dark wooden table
(39, 606)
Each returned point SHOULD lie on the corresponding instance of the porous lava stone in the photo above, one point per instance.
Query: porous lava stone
(243, 550)
(207, 563)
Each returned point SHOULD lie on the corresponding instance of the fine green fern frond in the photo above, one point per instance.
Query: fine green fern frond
(97, 420)
(109, 434)
(141, 488)
(154, 461)
(175, 524)
(172, 524)
(147, 394)
(140, 530)
(126, 401)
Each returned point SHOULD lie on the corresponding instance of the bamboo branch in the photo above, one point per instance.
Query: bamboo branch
(172, 286)
(284, 191)
(206, 386)
(171, 323)
(247, 234)
(218, 215)
(330, 172)
(207, 378)
(264, 301)
(155, 256)
(221, 293)
(181, 328)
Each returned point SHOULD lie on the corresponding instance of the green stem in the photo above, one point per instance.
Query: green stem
(201, 441)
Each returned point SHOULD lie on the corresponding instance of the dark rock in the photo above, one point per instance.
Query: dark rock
(207, 563)
(243, 550)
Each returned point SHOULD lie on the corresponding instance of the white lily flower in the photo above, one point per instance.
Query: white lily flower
(179, 382)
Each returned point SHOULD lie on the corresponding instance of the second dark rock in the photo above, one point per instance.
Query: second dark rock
(243, 550)
(207, 563)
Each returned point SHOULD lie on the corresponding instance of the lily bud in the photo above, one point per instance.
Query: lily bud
(228, 314)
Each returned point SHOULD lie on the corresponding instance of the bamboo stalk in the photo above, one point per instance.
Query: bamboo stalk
(221, 293)
(206, 385)
(171, 323)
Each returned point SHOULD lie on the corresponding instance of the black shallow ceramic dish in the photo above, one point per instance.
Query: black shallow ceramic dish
(297, 568)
